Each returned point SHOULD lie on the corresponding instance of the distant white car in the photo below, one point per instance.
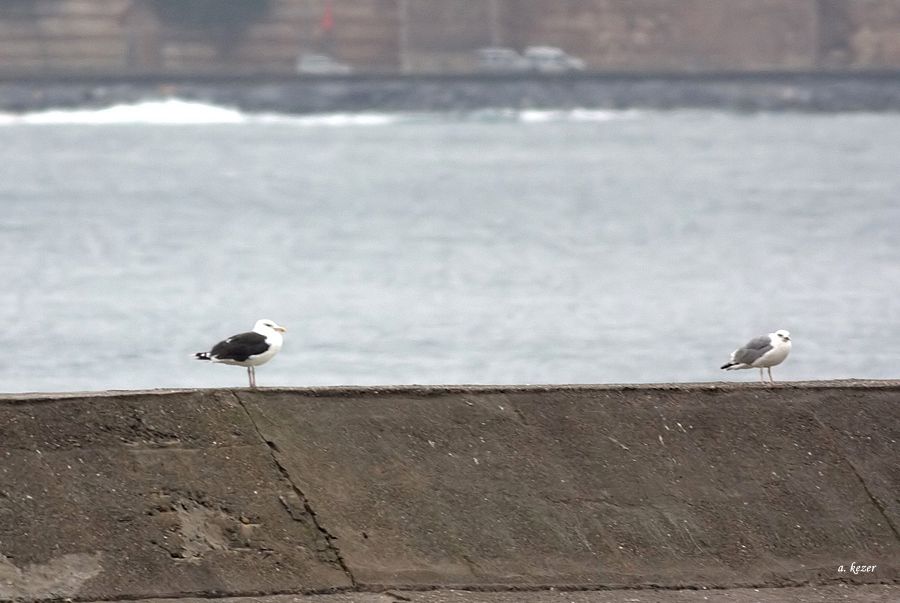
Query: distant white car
(322, 64)
(499, 59)
(550, 59)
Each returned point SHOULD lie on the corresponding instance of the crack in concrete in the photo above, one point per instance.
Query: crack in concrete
(520, 414)
(273, 450)
(865, 486)
(878, 504)
(473, 567)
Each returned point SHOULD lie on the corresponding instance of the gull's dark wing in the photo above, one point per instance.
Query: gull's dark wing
(240, 347)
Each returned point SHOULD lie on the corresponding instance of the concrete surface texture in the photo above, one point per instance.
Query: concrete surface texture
(667, 493)
(869, 593)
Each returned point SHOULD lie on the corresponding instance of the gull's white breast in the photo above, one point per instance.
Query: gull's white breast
(275, 341)
(776, 355)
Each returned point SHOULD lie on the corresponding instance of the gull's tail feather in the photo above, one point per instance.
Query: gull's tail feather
(202, 356)
(728, 365)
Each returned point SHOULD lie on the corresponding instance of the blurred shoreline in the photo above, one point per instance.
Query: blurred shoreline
(872, 91)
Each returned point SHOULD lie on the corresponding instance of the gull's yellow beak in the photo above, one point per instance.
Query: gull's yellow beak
(281, 329)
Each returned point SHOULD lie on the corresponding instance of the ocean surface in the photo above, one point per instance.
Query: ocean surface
(489, 247)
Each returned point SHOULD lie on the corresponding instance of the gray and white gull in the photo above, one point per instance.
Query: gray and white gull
(762, 353)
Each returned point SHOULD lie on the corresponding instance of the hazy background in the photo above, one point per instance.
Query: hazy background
(171, 171)
(215, 38)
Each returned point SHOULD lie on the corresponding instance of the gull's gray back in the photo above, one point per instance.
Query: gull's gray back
(752, 351)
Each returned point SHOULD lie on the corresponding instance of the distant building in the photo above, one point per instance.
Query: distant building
(441, 36)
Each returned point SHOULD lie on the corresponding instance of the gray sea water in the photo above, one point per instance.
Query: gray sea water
(497, 247)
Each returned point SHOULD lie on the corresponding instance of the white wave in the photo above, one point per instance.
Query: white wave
(542, 116)
(171, 111)
(182, 112)
(548, 116)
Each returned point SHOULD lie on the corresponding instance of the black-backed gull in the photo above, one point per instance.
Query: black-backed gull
(249, 349)
(762, 353)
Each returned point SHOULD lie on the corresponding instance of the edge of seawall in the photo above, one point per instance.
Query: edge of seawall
(236, 492)
(344, 391)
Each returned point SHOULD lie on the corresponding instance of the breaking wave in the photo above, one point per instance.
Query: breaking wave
(182, 112)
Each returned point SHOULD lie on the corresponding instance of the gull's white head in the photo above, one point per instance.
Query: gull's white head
(264, 325)
(782, 336)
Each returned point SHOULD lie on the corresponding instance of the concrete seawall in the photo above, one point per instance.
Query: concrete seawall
(129, 495)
